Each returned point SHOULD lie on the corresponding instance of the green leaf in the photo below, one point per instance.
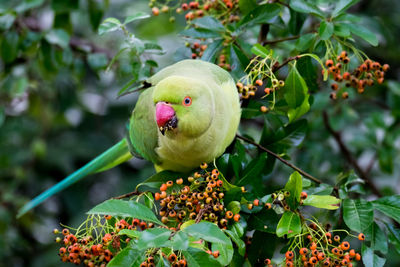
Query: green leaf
(389, 205)
(294, 114)
(363, 33)
(154, 238)
(296, 21)
(207, 231)
(289, 224)
(109, 25)
(260, 50)
(156, 180)
(294, 186)
(377, 237)
(252, 173)
(234, 206)
(127, 258)
(225, 253)
(97, 61)
(246, 6)
(264, 221)
(198, 258)
(370, 259)
(200, 33)
(238, 241)
(261, 14)
(341, 30)
(322, 202)
(306, 7)
(129, 233)
(309, 72)
(117, 207)
(210, 54)
(58, 37)
(358, 214)
(239, 61)
(9, 46)
(180, 241)
(394, 236)
(6, 20)
(343, 5)
(295, 88)
(304, 42)
(209, 23)
(28, 4)
(136, 16)
(325, 30)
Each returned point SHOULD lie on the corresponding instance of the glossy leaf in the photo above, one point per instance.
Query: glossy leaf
(322, 202)
(154, 238)
(289, 224)
(294, 186)
(198, 258)
(358, 214)
(225, 252)
(305, 42)
(210, 54)
(306, 7)
(209, 23)
(297, 113)
(237, 240)
(377, 237)
(261, 14)
(325, 30)
(246, 6)
(264, 221)
(117, 207)
(207, 231)
(370, 259)
(295, 88)
(239, 61)
(127, 258)
(343, 5)
(200, 33)
(390, 206)
(156, 180)
(363, 33)
(109, 25)
(9, 46)
(137, 16)
(260, 50)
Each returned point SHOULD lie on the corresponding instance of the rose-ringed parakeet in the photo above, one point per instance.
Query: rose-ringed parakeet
(189, 114)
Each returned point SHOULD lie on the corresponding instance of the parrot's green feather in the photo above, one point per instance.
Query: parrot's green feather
(143, 131)
(108, 159)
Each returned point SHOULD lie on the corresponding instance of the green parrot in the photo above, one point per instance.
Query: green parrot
(189, 114)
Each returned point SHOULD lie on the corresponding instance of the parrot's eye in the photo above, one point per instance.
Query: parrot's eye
(187, 101)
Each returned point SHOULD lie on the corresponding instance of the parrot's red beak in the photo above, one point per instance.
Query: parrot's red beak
(165, 117)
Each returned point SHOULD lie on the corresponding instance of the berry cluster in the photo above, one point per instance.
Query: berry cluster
(171, 258)
(364, 75)
(318, 248)
(98, 250)
(222, 62)
(85, 250)
(197, 49)
(202, 200)
(226, 10)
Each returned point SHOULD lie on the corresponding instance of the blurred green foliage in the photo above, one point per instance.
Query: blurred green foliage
(59, 107)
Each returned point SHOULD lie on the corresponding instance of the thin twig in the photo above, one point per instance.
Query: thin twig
(277, 66)
(282, 3)
(201, 213)
(349, 157)
(134, 193)
(281, 40)
(309, 176)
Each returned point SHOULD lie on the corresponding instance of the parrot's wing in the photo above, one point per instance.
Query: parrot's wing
(113, 156)
(143, 130)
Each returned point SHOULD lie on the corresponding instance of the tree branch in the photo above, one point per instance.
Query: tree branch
(309, 176)
(134, 193)
(277, 66)
(349, 157)
(281, 40)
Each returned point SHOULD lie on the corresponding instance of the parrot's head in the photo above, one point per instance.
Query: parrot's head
(183, 106)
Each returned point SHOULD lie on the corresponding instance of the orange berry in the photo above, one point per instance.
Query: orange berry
(65, 231)
(346, 76)
(155, 11)
(236, 218)
(336, 238)
(259, 82)
(385, 67)
(204, 165)
(313, 260)
(303, 251)
(185, 6)
(163, 187)
(358, 257)
(361, 237)
(172, 257)
(329, 63)
(268, 206)
(352, 253)
(179, 181)
(321, 256)
(289, 254)
(313, 246)
(303, 195)
(267, 261)
(345, 245)
(215, 254)
(169, 183)
(256, 202)
(335, 251)
(335, 86)
(345, 95)
(229, 214)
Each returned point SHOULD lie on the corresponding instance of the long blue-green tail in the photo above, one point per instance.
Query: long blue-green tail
(108, 159)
